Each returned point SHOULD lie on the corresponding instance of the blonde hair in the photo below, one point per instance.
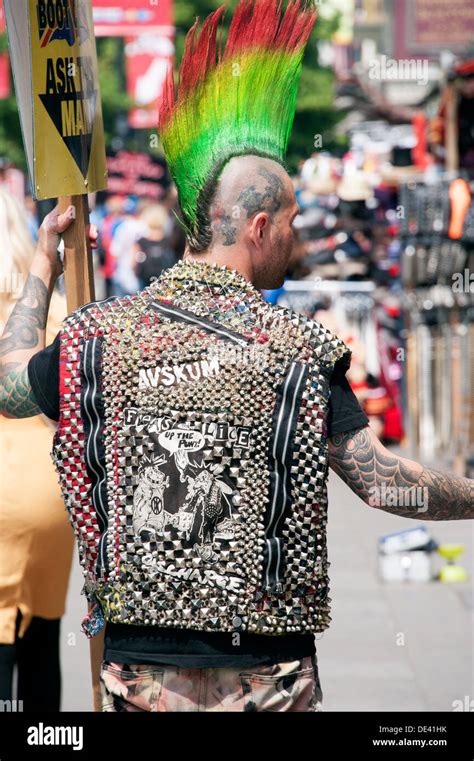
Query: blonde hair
(155, 216)
(16, 254)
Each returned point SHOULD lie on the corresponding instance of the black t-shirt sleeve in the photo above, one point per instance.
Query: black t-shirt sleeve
(43, 374)
(345, 412)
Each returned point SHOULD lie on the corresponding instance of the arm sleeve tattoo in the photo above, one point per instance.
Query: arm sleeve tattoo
(396, 485)
(21, 334)
(17, 398)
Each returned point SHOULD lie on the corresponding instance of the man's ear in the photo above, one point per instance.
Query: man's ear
(260, 225)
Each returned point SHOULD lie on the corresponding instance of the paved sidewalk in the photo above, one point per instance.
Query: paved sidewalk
(363, 666)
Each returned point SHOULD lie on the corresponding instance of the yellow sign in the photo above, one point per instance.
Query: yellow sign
(62, 123)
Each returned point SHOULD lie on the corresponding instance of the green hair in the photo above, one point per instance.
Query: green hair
(237, 103)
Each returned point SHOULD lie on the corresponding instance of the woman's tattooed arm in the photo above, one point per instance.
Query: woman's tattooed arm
(25, 329)
(395, 484)
(22, 337)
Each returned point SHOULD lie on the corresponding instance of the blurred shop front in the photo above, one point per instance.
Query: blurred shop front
(386, 234)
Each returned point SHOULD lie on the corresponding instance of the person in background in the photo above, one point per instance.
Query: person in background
(97, 215)
(36, 539)
(152, 253)
(32, 216)
(112, 220)
(125, 236)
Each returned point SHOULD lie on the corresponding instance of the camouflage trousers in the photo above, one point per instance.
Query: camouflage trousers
(291, 686)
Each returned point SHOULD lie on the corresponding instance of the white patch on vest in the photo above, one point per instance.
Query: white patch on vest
(153, 374)
(210, 367)
(211, 577)
(152, 377)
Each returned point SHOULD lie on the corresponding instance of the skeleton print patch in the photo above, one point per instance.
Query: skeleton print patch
(179, 494)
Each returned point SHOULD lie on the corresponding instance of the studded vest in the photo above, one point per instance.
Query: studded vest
(192, 455)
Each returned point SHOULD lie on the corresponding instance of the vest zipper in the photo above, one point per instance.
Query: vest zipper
(285, 418)
(177, 314)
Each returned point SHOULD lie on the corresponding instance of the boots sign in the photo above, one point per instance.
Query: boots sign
(56, 80)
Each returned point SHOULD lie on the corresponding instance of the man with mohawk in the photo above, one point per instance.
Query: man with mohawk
(196, 423)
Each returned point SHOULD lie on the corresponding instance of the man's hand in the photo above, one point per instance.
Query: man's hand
(52, 227)
(397, 485)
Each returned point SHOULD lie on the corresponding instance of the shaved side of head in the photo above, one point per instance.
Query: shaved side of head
(246, 219)
(247, 185)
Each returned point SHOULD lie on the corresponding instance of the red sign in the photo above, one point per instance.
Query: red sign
(426, 26)
(5, 87)
(147, 60)
(137, 174)
(125, 18)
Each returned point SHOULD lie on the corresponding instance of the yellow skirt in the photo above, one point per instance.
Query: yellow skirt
(36, 537)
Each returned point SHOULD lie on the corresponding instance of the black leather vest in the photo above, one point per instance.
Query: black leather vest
(192, 455)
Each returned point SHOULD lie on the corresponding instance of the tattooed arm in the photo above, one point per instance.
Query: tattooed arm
(395, 484)
(25, 329)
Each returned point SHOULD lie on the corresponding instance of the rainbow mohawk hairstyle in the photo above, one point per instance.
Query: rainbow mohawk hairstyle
(234, 103)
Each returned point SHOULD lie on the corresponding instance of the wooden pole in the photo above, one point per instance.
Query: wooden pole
(78, 270)
(79, 278)
(451, 129)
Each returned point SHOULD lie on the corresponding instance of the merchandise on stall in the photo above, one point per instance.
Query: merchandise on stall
(369, 325)
(437, 237)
